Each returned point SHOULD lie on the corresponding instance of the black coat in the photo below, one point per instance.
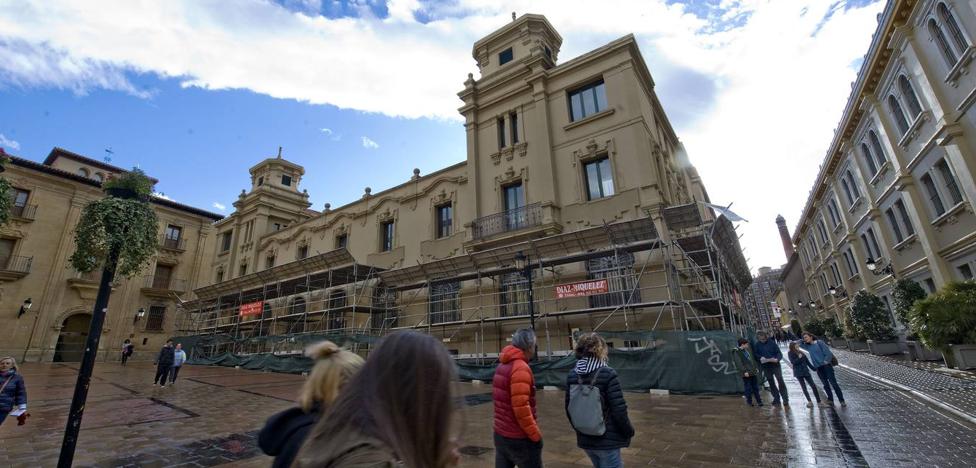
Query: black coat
(166, 356)
(284, 433)
(619, 430)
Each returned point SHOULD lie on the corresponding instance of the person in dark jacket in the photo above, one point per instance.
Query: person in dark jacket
(518, 440)
(591, 366)
(164, 361)
(801, 370)
(821, 358)
(770, 356)
(284, 433)
(745, 362)
(13, 392)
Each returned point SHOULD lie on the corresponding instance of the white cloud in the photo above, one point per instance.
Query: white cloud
(332, 134)
(8, 143)
(370, 144)
(753, 87)
(327, 131)
(219, 206)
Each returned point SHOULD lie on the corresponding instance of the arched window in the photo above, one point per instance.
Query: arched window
(869, 158)
(898, 114)
(100, 177)
(940, 39)
(83, 172)
(876, 145)
(847, 191)
(953, 27)
(911, 100)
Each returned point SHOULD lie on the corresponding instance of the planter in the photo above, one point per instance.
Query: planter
(855, 345)
(963, 356)
(838, 343)
(919, 352)
(883, 348)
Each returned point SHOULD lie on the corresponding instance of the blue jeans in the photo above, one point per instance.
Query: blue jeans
(827, 377)
(751, 384)
(605, 458)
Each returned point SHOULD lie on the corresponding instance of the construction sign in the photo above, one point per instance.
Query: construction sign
(252, 308)
(583, 288)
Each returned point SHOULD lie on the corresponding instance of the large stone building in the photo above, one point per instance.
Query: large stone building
(894, 196)
(573, 172)
(760, 299)
(47, 305)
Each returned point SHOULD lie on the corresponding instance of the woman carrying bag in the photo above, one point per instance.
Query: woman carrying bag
(13, 392)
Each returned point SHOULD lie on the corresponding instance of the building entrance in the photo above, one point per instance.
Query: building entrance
(71, 341)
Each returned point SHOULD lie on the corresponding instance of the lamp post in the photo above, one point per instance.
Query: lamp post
(837, 291)
(24, 307)
(139, 314)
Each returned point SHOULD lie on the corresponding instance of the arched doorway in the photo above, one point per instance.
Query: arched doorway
(71, 340)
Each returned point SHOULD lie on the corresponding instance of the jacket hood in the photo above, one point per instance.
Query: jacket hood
(511, 353)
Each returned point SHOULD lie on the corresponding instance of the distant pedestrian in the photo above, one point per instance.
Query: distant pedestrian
(800, 362)
(823, 360)
(518, 440)
(179, 358)
(595, 404)
(284, 433)
(127, 348)
(13, 392)
(398, 411)
(164, 361)
(745, 362)
(769, 362)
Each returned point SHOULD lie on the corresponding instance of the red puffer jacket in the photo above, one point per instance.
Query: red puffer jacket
(513, 389)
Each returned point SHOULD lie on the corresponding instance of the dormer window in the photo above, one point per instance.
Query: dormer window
(505, 56)
(286, 180)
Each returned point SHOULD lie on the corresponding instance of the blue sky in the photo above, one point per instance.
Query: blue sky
(196, 92)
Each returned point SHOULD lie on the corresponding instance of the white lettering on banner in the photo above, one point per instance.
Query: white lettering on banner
(715, 355)
(583, 288)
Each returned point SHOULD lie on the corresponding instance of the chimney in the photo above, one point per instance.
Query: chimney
(784, 235)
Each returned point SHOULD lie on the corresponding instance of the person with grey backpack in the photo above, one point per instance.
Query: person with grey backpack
(595, 404)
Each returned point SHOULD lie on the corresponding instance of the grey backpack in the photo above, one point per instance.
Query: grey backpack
(586, 406)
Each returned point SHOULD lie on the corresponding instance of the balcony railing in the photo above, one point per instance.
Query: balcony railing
(16, 264)
(507, 221)
(164, 283)
(24, 211)
(173, 244)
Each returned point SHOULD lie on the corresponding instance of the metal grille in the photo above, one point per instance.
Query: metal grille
(510, 220)
(157, 315)
(618, 270)
(444, 302)
(513, 295)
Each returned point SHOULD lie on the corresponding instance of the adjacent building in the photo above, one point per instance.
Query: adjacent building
(760, 299)
(894, 195)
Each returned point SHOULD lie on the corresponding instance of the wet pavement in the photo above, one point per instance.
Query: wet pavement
(211, 416)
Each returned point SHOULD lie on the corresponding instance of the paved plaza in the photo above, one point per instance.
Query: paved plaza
(211, 416)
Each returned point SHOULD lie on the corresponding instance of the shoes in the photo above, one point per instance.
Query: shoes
(824, 404)
(809, 404)
(775, 402)
(844, 404)
(786, 404)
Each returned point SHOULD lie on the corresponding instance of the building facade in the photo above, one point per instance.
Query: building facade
(47, 305)
(897, 186)
(760, 299)
(574, 182)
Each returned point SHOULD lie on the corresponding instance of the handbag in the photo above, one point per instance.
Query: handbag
(833, 361)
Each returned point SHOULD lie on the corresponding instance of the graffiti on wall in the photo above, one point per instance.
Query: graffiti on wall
(715, 358)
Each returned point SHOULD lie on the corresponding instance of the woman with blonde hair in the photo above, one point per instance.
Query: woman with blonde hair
(285, 432)
(13, 392)
(600, 437)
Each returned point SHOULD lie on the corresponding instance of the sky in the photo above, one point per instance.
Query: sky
(361, 92)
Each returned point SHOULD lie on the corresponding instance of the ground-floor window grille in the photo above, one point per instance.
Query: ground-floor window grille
(385, 315)
(157, 315)
(618, 270)
(445, 302)
(513, 295)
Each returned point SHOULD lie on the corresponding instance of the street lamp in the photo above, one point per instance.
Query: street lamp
(24, 307)
(873, 268)
(837, 291)
(139, 314)
(810, 305)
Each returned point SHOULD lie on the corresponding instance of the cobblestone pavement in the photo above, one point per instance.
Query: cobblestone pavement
(211, 416)
(959, 392)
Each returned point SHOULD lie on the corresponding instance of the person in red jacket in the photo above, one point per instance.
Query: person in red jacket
(518, 440)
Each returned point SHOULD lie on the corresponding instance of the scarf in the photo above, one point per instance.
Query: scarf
(588, 364)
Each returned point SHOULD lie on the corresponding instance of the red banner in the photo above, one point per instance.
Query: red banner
(252, 308)
(583, 288)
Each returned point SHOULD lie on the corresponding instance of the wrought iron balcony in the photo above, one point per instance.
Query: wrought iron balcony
(27, 212)
(16, 264)
(173, 244)
(508, 221)
(164, 283)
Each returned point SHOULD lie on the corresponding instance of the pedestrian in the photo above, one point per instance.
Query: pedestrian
(127, 348)
(164, 361)
(518, 440)
(179, 357)
(285, 432)
(601, 442)
(823, 360)
(800, 362)
(769, 362)
(745, 362)
(398, 411)
(13, 392)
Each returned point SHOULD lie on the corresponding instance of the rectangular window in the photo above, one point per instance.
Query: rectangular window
(851, 264)
(965, 271)
(162, 276)
(822, 230)
(930, 285)
(505, 56)
(444, 305)
(836, 273)
(513, 122)
(276, 227)
(341, 241)
(225, 241)
(243, 270)
(220, 275)
(302, 252)
(619, 272)
(823, 284)
(156, 317)
(444, 220)
(834, 213)
(20, 203)
(6, 252)
(286, 180)
(513, 295)
(890, 213)
(269, 261)
(500, 123)
(933, 195)
(952, 189)
(173, 232)
(260, 181)
(599, 182)
(906, 222)
(386, 236)
(587, 101)
(514, 198)
(874, 243)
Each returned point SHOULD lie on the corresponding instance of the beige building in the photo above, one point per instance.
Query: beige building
(571, 166)
(896, 188)
(34, 268)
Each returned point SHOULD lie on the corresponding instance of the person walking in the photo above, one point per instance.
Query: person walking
(398, 411)
(518, 440)
(823, 360)
(127, 349)
(770, 356)
(613, 430)
(179, 357)
(801, 370)
(13, 392)
(284, 433)
(164, 361)
(745, 362)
